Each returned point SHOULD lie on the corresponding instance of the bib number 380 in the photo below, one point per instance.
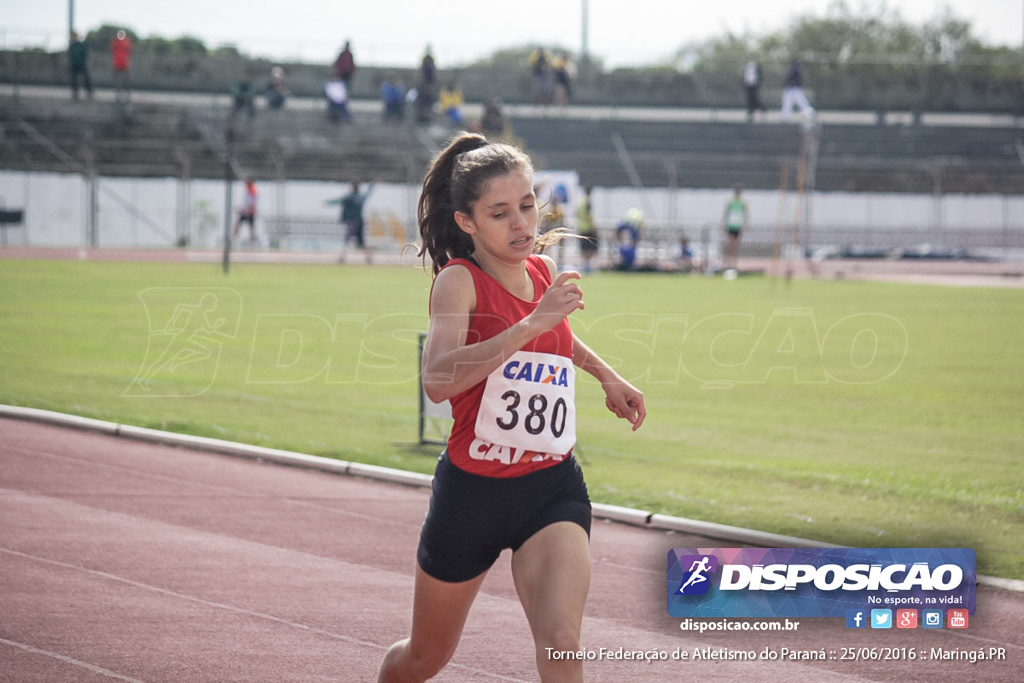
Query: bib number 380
(535, 414)
(519, 408)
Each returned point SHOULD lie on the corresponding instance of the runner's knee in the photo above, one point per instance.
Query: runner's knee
(427, 664)
(564, 637)
(427, 659)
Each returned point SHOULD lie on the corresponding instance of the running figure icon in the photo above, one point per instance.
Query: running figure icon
(697, 575)
(188, 328)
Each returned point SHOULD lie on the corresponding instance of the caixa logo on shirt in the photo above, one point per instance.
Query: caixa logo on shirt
(539, 373)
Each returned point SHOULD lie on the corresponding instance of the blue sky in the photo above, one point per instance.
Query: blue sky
(395, 32)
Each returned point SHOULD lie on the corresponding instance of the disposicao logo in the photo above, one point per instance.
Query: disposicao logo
(819, 582)
(696, 579)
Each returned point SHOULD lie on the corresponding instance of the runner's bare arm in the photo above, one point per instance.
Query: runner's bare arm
(621, 397)
(450, 364)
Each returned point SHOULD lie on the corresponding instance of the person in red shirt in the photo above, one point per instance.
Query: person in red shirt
(247, 212)
(120, 54)
(499, 347)
(345, 65)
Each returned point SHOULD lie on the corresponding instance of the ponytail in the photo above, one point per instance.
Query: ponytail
(442, 238)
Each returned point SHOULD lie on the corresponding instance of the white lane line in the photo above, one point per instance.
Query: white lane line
(70, 660)
(239, 610)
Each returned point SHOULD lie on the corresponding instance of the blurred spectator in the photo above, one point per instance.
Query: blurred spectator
(493, 123)
(247, 212)
(345, 65)
(276, 91)
(564, 73)
(793, 91)
(352, 217)
(752, 84)
(684, 254)
(426, 92)
(337, 101)
(451, 103)
(540, 70)
(392, 95)
(735, 220)
(78, 60)
(552, 199)
(120, 54)
(587, 229)
(241, 94)
(628, 234)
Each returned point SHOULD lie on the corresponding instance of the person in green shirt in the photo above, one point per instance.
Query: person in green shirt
(735, 220)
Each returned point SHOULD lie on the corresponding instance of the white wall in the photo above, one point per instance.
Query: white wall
(138, 212)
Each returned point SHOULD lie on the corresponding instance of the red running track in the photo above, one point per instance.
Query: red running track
(126, 560)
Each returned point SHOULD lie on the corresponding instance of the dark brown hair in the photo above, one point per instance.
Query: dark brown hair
(457, 178)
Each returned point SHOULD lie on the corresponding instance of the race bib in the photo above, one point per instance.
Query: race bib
(529, 402)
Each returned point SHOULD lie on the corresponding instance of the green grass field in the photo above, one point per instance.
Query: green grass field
(848, 412)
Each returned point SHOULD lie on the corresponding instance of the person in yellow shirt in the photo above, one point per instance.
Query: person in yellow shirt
(451, 103)
(587, 229)
(564, 72)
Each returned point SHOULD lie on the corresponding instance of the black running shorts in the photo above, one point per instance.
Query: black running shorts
(473, 518)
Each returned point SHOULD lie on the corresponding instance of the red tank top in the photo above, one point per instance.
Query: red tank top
(521, 418)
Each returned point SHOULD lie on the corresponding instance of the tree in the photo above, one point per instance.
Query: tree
(99, 40)
(868, 43)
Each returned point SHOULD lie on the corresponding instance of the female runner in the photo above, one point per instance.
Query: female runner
(500, 349)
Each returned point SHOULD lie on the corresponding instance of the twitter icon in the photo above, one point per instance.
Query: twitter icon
(881, 618)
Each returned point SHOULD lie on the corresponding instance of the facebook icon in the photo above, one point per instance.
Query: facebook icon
(856, 618)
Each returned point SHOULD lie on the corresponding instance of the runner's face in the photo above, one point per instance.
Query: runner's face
(503, 222)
